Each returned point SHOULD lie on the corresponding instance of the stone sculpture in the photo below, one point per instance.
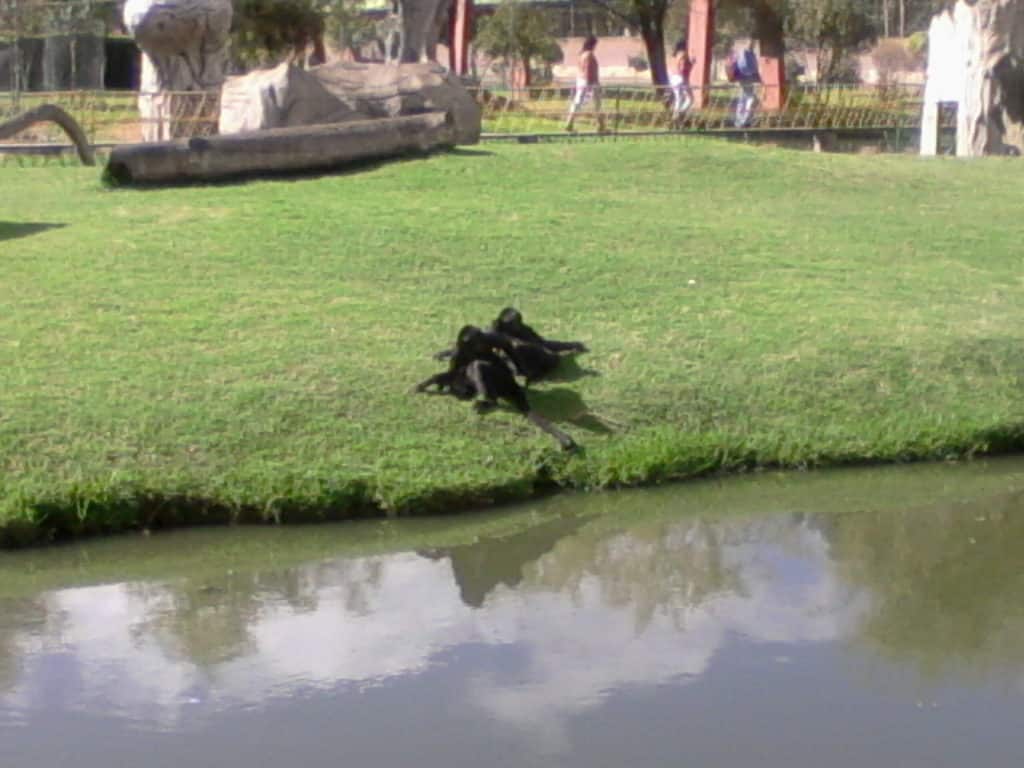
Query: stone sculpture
(283, 119)
(420, 28)
(185, 52)
(976, 61)
(343, 91)
(991, 120)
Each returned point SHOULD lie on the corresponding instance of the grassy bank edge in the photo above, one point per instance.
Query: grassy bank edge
(655, 456)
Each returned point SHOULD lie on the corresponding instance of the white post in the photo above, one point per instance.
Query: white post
(947, 68)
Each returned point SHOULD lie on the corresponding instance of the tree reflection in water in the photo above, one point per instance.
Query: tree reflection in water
(590, 604)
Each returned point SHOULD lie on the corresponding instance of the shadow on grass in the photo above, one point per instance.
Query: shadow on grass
(463, 152)
(569, 370)
(118, 176)
(9, 230)
(566, 406)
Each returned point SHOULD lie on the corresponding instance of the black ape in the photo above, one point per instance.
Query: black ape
(532, 356)
(510, 323)
(531, 361)
(476, 370)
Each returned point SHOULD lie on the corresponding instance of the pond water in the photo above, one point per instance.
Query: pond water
(855, 618)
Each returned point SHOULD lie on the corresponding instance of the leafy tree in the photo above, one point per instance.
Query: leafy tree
(900, 18)
(946, 581)
(761, 19)
(518, 34)
(269, 31)
(647, 16)
(834, 28)
(22, 18)
(347, 25)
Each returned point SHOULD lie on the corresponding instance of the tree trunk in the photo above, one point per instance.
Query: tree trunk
(279, 150)
(51, 113)
(991, 116)
(653, 33)
(768, 31)
(527, 79)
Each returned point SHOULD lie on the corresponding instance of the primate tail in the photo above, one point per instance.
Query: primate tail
(567, 443)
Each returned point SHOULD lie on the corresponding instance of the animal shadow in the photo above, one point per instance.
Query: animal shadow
(9, 230)
(565, 405)
(569, 370)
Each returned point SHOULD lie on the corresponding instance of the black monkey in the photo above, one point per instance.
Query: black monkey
(476, 371)
(510, 323)
(533, 356)
(531, 361)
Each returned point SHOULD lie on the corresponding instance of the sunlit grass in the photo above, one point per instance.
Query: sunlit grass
(246, 351)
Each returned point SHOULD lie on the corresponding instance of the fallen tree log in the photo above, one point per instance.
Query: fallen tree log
(280, 150)
(53, 114)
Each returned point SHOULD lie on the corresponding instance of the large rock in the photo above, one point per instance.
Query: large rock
(186, 40)
(185, 47)
(288, 96)
(421, 22)
(276, 98)
(991, 117)
(976, 61)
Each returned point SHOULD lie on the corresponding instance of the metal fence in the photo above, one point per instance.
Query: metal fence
(111, 117)
(59, 52)
(630, 109)
(54, 44)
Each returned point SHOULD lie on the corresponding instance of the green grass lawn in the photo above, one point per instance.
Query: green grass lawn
(247, 351)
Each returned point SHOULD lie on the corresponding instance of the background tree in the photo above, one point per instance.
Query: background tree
(347, 26)
(648, 18)
(518, 34)
(266, 32)
(900, 18)
(834, 28)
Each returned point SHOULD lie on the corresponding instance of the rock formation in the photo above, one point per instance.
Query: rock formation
(185, 51)
(991, 117)
(976, 61)
(420, 28)
(344, 91)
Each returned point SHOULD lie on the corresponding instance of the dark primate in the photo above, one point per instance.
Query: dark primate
(510, 323)
(532, 356)
(531, 361)
(476, 371)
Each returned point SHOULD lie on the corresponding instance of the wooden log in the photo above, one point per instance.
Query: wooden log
(54, 114)
(279, 150)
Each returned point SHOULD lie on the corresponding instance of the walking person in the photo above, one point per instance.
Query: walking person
(679, 81)
(743, 69)
(588, 85)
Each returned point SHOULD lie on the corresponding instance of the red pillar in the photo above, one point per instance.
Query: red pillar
(773, 79)
(698, 46)
(771, 40)
(460, 24)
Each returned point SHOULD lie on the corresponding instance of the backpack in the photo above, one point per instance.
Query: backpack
(746, 66)
(730, 68)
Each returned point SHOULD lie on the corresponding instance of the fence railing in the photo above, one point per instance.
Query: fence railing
(112, 117)
(629, 109)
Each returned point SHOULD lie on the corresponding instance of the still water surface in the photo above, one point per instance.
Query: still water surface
(860, 618)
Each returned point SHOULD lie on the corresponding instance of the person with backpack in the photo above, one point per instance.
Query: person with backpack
(679, 82)
(742, 68)
(588, 85)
